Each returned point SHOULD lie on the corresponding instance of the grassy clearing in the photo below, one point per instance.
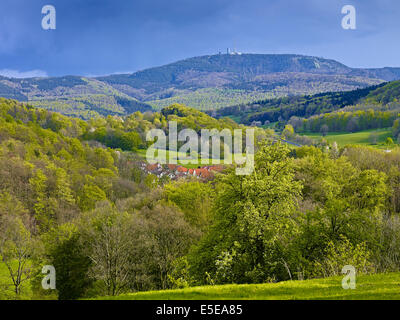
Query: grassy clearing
(169, 155)
(368, 287)
(361, 138)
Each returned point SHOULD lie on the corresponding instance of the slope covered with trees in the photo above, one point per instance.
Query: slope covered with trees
(54, 184)
(74, 96)
(380, 108)
(374, 107)
(301, 106)
(110, 228)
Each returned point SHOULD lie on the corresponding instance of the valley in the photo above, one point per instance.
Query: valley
(82, 187)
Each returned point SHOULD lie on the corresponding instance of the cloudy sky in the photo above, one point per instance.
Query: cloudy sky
(97, 37)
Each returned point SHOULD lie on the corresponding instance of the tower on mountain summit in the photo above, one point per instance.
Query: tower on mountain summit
(234, 52)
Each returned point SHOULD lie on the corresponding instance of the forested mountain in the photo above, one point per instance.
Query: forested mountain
(241, 78)
(380, 108)
(384, 96)
(70, 95)
(205, 83)
(301, 106)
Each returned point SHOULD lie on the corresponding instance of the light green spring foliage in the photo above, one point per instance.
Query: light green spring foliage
(253, 219)
(368, 287)
(341, 254)
(289, 217)
(301, 214)
(194, 198)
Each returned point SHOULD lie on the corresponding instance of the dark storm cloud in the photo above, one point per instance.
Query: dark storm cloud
(105, 36)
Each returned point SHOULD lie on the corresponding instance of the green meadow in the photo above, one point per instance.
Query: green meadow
(361, 138)
(368, 287)
(173, 155)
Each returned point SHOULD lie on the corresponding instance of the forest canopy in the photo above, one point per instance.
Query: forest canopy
(70, 188)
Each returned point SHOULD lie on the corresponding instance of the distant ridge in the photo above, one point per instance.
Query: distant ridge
(205, 82)
(194, 81)
(71, 95)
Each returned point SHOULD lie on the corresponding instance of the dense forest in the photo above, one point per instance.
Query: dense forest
(346, 121)
(380, 108)
(129, 133)
(375, 107)
(71, 95)
(73, 195)
(284, 108)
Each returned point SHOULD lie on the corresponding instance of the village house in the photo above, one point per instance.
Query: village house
(174, 171)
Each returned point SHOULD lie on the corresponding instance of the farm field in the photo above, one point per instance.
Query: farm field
(361, 138)
(169, 155)
(368, 287)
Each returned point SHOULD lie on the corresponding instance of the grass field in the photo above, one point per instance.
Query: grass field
(361, 137)
(368, 287)
(180, 155)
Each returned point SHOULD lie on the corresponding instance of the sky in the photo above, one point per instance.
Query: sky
(100, 37)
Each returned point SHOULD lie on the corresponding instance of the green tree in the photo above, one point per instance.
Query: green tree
(194, 198)
(107, 238)
(254, 220)
(324, 130)
(338, 201)
(65, 251)
(43, 213)
(288, 131)
(17, 251)
(89, 196)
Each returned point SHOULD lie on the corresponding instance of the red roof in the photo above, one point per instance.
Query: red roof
(206, 174)
(151, 167)
(201, 171)
(216, 168)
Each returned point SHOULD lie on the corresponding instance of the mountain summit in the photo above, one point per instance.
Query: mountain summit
(213, 81)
